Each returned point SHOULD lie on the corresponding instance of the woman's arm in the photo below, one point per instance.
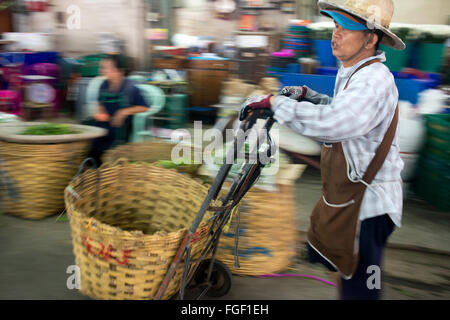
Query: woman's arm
(101, 115)
(119, 117)
(137, 104)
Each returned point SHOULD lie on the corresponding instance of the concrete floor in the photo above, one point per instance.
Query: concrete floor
(36, 254)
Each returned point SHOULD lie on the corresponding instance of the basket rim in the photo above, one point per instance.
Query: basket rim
(119, 233)
(9, 133)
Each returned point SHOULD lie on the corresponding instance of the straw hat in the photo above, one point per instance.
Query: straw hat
(376, 13)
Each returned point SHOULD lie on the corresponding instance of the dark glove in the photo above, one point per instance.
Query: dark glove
(305, 94)
(253, 103)
(296, 93)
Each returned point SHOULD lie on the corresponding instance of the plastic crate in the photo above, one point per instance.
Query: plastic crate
(438, 135)
(90, 65)
(42, 57)
(175, 112)
(438, 125)
(433, 181)
(434, 147)
(319, 83)
(435, 163)
(324, 82)
(176, 107)
(430, 56)
(433, 187)
(327, 71)
(396, 60)
(28, 58)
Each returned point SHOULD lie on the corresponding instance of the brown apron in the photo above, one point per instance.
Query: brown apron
(335, 221)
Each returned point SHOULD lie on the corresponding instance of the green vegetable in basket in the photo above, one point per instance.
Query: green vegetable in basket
(182, 165)
(167, 164)
(49, 129)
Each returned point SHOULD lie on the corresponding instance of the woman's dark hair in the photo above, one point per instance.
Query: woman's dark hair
(119, 62)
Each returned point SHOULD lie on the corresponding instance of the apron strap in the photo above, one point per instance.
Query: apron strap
(385, 146)
(382, 151)
(368, 63)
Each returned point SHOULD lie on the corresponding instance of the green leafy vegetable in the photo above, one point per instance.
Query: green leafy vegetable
(167, 164)
(49, 130)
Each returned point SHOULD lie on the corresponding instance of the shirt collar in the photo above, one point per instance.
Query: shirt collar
(346, 72)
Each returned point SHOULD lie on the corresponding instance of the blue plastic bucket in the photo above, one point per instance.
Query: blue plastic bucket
(293, 68)
(324, 53)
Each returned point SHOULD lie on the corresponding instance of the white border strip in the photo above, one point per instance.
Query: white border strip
(334, 266)
(337, 205)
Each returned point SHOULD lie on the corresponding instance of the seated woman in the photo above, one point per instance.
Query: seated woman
(118, 100)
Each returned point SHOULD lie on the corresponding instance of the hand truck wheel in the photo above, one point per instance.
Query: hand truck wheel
(220, 278)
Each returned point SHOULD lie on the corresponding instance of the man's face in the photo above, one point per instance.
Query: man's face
(109, 70)
(345, 43)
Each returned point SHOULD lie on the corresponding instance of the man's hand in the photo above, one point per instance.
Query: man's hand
(296, 93)
(119, 118)
(255, 103)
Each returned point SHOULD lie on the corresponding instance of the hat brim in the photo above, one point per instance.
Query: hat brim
(344, 21)
(390, 39)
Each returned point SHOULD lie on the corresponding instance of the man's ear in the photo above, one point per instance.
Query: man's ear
(373, 40)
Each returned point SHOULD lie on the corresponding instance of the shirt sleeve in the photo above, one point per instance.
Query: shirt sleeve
(317, 98)
(103, 88)
(352, 113)
(137, 99)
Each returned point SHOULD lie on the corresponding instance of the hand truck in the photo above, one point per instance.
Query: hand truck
(209, 274)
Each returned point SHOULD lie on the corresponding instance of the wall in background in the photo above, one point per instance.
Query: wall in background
(422, 11)
(418, 11)
(124, 18)
(198, 18)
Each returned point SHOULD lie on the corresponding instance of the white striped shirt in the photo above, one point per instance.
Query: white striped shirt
(359, 118)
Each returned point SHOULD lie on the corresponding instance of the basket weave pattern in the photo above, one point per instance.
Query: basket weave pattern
(125, 241)
(150, 152)
(268, 233)
(140, 151)
(34, 176)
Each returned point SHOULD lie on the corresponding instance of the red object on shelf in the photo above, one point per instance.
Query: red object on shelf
(29, 5)
(11, 99)
(43, 5)
(247, 22)
(40, 6)
(37, 5)
(171, 50)
(414, 72)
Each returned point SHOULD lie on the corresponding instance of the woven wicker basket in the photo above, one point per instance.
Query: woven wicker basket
(34, 170)
(150, 152)
(268, 233)
(125, 240)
